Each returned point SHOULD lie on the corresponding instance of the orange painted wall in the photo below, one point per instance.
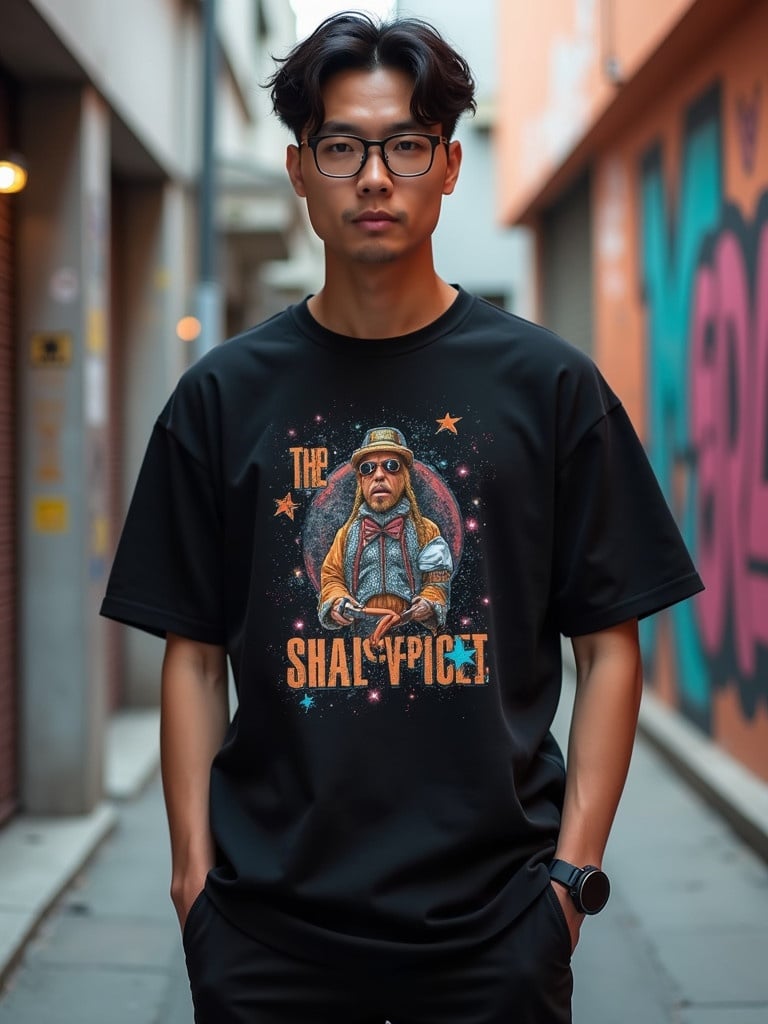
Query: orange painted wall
(680, 250)
(685, 350)
(553, 83)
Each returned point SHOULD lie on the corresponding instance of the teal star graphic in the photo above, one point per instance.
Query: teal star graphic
(307, 702)
(460, 655)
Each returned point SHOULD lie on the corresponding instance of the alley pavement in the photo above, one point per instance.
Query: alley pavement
(684, 938)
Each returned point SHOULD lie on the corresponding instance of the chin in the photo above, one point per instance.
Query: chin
(382, 504)
(374, 255)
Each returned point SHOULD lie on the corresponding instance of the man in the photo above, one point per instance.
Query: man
(391, 837)
(387, 558)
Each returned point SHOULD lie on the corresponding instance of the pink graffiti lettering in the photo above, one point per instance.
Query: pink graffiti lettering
(729, 429)
(758, 519)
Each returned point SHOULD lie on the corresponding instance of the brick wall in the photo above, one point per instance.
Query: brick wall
(115, 632)
(8, 704)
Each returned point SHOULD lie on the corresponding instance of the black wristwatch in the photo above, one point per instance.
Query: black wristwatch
(588, 887)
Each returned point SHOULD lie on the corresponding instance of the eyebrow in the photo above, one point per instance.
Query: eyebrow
(346, 128)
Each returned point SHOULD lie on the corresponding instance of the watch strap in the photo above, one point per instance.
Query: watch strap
(564, 873)
(588, 887)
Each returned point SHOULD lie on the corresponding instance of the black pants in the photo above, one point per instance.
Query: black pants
(522, 976)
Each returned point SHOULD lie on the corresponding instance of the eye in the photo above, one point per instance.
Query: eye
(335, 146)
(410, 144)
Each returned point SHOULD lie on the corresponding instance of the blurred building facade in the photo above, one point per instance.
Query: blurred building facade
(472, 247)
(638, 134)
(98, 265)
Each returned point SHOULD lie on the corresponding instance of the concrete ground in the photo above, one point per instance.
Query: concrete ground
(682, 941)
(684, 937)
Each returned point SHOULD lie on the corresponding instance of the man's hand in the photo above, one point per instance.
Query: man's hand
(184, 895)
(336, 615)
(193, 722)
(608, 690)
(572, 916)
(421, 610)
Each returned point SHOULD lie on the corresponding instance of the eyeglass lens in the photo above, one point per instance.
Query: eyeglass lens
(342, 155)
(390, 465)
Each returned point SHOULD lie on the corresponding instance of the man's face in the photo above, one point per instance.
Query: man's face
(382, 485)
(375, 216)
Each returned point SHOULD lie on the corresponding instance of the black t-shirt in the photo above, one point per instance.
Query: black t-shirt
(403, 796)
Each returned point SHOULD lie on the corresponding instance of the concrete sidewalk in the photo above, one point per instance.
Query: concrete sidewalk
(685, 934)
(40, 856)
(683, 940)
(109, 952)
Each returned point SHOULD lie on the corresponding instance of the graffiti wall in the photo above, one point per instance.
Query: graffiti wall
(682, 229)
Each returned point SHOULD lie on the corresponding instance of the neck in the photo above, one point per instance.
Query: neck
(384, 300)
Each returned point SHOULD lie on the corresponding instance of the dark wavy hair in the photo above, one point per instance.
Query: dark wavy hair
(443, 86)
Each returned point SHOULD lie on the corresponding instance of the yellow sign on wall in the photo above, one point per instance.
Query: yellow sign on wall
(51, 348)
(99, 535)
(50, 515)
(96, 337)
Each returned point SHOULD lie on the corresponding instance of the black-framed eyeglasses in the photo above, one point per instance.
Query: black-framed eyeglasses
(390, 465)
(407, 154)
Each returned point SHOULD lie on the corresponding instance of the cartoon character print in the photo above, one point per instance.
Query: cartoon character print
(388, 564)
(382, 539)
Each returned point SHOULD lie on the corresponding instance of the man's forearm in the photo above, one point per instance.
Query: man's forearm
(194, 719)
(608, 691)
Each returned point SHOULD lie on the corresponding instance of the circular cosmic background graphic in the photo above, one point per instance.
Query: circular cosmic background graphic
(332, 506)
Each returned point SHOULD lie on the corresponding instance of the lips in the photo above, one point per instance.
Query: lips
(374, 216)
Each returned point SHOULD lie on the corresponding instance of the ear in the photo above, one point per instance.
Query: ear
(293, 167)
(453, 168)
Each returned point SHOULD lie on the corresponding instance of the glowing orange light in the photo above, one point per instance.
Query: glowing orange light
(13, 174)
(188, 328)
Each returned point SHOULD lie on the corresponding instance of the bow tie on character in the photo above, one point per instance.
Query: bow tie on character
(371, 529)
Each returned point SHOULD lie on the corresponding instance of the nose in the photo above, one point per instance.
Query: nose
(374, 175)
(379, 473)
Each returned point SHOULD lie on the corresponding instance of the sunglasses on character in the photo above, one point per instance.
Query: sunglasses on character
(389, 465)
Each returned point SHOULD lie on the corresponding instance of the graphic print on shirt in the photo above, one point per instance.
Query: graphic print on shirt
(382, 542)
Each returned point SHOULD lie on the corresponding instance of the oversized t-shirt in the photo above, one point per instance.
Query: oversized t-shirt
(401, 792)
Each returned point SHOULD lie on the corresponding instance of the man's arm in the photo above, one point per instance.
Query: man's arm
(333, 585)
(608, 691)
(194, 719)
(430, 604)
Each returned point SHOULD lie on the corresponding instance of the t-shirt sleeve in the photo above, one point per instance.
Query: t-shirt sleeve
(167, 575)
(618, 552)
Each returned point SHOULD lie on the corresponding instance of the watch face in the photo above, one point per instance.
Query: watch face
(594, 891)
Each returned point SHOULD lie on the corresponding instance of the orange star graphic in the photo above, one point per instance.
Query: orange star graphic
(448, 422)
(285, 506)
